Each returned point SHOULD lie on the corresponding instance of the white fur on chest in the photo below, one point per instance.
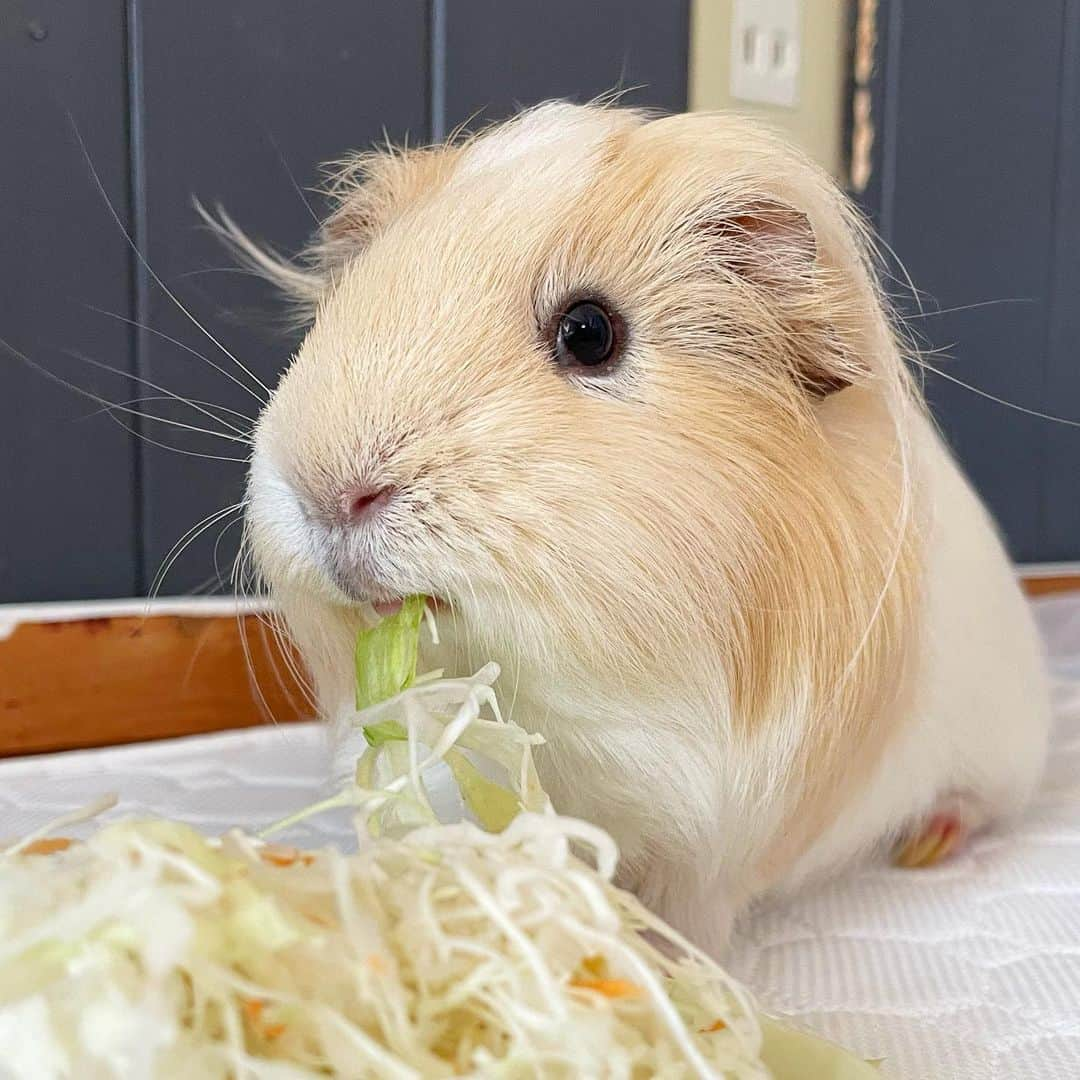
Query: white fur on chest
(980, 707)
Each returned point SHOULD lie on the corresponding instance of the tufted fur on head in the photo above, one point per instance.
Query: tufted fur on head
(700, 568)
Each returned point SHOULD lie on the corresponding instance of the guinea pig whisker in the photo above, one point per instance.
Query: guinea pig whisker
(153, 274)
(114, 407)
(993, 397)
(276, 644)
(245, 582)
(469, 644)
(291, 175)
(289, 654)
(169, 446)
(249, 667)
(111, 407)
(181, 345)
(217, 270)
(238, 436)
(208, 586)
(518, 662)
(186, 540)
(175, 397)
(970, 307)
(198, 406)
(278, 653)
(221, 579)
(878, 242)
(107, 405)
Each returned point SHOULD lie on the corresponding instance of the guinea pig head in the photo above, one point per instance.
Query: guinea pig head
(574, 377)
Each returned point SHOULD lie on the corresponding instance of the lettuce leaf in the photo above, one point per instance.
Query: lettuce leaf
(493, 806)
(795, 1055)
(386, 654)
(376, 735)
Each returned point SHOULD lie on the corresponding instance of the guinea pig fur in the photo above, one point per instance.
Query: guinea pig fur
(731, 573)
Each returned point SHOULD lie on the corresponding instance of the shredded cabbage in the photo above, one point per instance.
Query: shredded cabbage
(491, 947)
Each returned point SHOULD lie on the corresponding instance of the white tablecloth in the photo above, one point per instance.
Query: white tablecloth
(970, 971)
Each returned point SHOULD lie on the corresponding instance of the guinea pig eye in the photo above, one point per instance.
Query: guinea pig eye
(584, 336)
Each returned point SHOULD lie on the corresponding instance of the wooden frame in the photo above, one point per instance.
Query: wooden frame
(80, 675)
(96, 674)
(1047, 584)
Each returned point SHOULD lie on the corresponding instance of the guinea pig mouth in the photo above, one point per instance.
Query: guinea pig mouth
(384, 602)
(361, 588)
(361, 583)
(357, 578)
(385, 608)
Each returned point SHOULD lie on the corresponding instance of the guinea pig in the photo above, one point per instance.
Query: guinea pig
(623, 393)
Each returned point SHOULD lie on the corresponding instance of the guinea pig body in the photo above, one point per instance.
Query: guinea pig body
(623, 394)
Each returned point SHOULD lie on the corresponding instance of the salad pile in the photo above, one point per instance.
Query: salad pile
(496, 946)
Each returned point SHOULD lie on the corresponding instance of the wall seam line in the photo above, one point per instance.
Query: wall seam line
(139, 295)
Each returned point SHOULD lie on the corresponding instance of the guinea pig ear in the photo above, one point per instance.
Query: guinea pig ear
(364, 193)
(765, 241)
(370, 189)
(352, 222)
(771, 245)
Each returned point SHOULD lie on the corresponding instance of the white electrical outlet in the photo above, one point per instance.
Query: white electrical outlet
(765, 48)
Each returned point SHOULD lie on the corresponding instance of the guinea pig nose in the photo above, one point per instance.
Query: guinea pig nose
(361, 502)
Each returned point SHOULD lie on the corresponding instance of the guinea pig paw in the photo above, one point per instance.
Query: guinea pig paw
(942, 834)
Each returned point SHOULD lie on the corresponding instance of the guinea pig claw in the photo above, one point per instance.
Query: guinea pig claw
(944, 832)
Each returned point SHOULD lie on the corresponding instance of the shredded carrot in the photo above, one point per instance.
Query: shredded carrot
(592, 974)
(595, 965)
(47, 846)
(716, 1025)
(253, 1008)
(612, 988)
(278, 855)
(376, 963)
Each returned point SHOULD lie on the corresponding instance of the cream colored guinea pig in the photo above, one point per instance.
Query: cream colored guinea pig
(623, 395)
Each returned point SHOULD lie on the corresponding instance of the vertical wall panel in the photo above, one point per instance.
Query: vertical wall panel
(67, 526)
(1061, 488)
(967, 195)
(221, 101)
(234, 97)
(499, 55)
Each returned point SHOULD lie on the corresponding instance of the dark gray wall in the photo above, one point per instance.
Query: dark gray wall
(500, 55)
(1061, 464)
(977, 189)
(67, 480)
(240, 102)
(234, 101)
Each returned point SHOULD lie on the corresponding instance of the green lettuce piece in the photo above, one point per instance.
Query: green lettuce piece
(380, 734)
(386, 654)
(493, 806)
(386, 657)
(794, 1055)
